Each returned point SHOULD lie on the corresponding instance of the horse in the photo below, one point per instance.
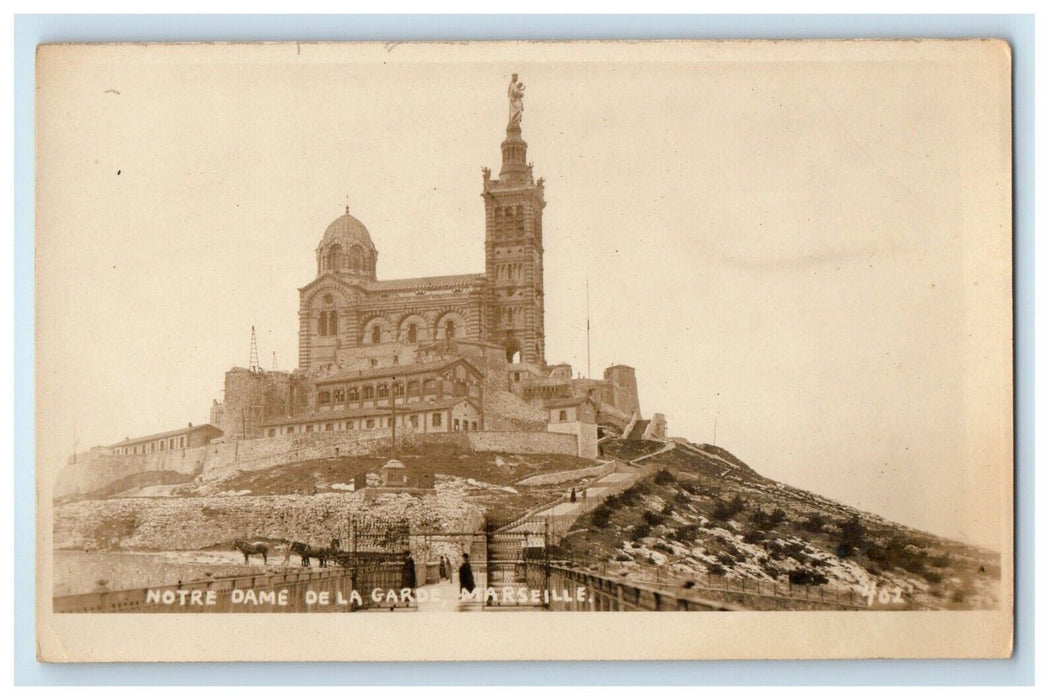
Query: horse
(248, 548)
(307, 551)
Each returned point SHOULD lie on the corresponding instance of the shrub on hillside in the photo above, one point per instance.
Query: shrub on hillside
(663, 477)
(690, 487)
(852, 531)
(896, 553)
(600, 517)
(687, 533)
(627, 497)
(814, 523)
(668, 509)
(754, 537)
(805, 577)
(851, 537)
(639, 531)
(664, 547)
(724, 510)
(765, 520)
(652, 518)
(717, 569)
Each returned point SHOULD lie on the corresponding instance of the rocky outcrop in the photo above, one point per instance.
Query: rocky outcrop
(195, 523)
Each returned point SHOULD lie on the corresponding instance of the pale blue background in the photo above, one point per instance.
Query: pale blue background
(34, 29)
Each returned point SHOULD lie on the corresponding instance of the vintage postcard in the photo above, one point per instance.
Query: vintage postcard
(515, 350)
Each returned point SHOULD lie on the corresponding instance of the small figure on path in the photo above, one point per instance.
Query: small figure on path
(443, 568)
(409, 579)
(465, 575)
(573, 499)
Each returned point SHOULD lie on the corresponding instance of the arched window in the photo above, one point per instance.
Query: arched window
(353, 394)
(413, 387)
(412, 333)
(375, 335)
(332, 327)
(449, 329)
(562, 416)
(324, 397)
(397, 389)
(383, 391)
(357, 258)
(339, 395)
(368, 392)
(509, 316)
(333, 258)
(322, 323)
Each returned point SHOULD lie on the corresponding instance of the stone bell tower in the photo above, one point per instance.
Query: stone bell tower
(513, 241)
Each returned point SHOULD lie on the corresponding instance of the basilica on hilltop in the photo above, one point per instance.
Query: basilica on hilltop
(381, 357)
(346, 308)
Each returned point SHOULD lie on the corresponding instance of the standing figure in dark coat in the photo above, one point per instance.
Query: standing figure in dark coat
(465, 575)
(443, 568)
(409, 579)
(573, 499)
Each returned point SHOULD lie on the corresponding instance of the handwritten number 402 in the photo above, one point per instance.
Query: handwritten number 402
(884, 596)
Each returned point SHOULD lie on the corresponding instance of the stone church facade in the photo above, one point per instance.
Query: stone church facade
(347, 313)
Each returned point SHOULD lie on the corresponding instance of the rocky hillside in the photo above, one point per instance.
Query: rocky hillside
(700, 518)
(309, 500)
(706, 518)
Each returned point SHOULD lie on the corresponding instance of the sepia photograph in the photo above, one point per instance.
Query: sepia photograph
(511, 350)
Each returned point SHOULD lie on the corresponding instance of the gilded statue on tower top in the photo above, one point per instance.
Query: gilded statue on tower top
(516, 94)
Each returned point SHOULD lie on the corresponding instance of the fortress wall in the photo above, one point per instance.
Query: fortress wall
(525, 443)
(98, 470)
(586, 435)
(569, 475)
(256, 396)
(265, 453)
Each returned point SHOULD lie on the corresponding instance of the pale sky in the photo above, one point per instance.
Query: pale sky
(803, 249)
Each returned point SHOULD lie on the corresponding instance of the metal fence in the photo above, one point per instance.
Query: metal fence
(751, 593)
(570, 589)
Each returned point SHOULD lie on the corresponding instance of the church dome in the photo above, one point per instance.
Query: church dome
(346, 248)
(347, 230)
